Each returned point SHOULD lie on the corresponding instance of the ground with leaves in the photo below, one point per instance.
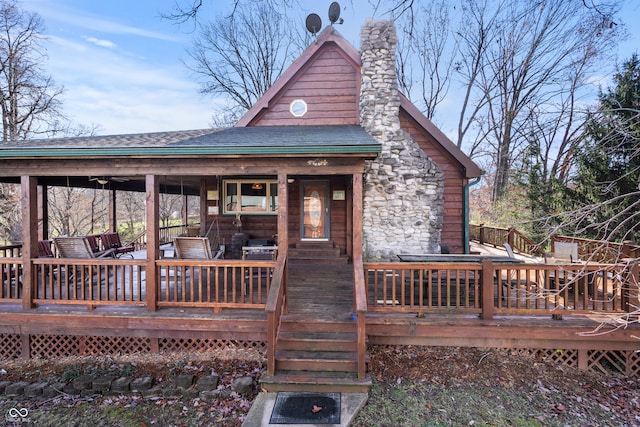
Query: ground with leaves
(413, 386)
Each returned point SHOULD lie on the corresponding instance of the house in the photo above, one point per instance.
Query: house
(334, 167)
(334, 115)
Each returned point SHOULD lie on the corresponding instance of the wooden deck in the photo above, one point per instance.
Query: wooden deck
(321, 314)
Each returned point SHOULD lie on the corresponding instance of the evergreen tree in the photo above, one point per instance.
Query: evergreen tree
(608, 164)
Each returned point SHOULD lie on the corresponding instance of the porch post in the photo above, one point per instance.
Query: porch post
(358, 239)
(283, 215)
(29, 187)
(487, 289)
(113, 221)
(203, 208)
(283, 231)
(153, 238)
(44, 212)
(359, 289)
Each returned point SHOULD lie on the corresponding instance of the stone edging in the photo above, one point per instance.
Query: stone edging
(183, 386)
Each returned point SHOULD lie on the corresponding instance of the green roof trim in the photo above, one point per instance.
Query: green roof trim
(186, 151)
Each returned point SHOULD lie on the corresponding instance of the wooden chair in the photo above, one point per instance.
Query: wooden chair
(112, 241)
(44, 249)
(93, 243)
(195, 248)
(78, 247)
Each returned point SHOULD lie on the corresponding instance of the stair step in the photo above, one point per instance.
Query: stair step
(299, 360)
(317, 253)
(321, 382)
(301, 323)
(317, 341)
(334, 252)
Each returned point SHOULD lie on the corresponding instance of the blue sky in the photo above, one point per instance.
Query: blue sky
(121, 64)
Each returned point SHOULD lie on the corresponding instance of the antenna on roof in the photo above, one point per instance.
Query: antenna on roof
(334, 13)
(314, 23)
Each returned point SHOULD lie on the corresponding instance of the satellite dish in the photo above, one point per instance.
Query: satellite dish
(314, 23)
(334, 12)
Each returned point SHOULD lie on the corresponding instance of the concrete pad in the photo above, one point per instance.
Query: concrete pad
(260, 412)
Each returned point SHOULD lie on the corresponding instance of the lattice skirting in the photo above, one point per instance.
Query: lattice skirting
(625, 362)
(10, 346)
(53, 346)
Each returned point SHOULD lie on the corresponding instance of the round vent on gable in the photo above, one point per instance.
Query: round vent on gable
(298, 107)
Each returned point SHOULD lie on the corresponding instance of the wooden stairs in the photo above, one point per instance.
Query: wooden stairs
(316, 347)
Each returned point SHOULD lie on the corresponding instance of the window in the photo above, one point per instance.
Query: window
(251, 197)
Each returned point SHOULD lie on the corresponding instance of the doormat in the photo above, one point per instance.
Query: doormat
(306, 408)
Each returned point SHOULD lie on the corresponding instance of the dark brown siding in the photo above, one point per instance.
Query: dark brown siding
(329, 84)
(453, 212)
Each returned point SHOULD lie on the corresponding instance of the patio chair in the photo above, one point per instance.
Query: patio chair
(93, 243)
(195, 248)
(112, 240)
(44, 249)
(78, 247)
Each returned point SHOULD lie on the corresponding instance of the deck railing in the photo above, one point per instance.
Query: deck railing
(10, 279)
(217, 283)
(486, 288)
(276, 306)
(91, 282)
(168, 234)
(498, 236)
(599, 250)
(11, 251)
(360, 302)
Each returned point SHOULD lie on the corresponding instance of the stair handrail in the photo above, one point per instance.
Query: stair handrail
(275, 307)
(360, 309)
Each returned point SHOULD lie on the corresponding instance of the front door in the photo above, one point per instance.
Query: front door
(315, 210)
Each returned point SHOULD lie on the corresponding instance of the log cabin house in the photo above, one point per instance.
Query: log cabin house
(342, 173)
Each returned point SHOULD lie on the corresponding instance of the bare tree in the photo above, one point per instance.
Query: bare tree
(426, 51)
(526, 50)
(131, 206)
(29, 97)
(10, 213)
(240, 56)
(71, 211)
(171, 206)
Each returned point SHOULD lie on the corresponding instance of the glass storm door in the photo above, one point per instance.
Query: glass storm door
(315, 210)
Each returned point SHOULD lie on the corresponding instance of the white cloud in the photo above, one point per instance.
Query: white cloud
(141, 88)
(100, 42)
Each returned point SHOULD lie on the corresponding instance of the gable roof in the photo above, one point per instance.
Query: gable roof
(328, 35)
(331, 35)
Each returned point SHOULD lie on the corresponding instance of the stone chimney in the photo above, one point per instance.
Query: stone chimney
(403, 192)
